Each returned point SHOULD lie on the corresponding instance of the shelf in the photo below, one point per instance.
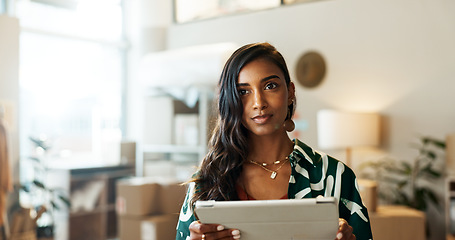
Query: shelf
(170, 150)
(100, 222)
(100, 209)
(86, 212)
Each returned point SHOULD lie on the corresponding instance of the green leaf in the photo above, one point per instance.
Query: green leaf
(402, 199)
(25, 188)
(433, 174)
(65, 200)
(398, 171)
(39, 184)
(419, 199)
(435, 142)
(390, 180)
(432, 197)
(401, 184)
(407, 168)
(55, 206)
(431, 155)
(39, 143)
(35, 159)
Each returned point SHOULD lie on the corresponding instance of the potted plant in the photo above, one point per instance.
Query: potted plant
(39, 194)
(410, 183)
(405, 182)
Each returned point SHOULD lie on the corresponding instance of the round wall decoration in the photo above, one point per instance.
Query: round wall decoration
(310, 69)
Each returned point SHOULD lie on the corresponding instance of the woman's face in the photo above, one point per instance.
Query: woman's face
(265, 97)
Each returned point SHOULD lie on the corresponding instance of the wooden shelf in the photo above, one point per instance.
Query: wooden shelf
(100, 223)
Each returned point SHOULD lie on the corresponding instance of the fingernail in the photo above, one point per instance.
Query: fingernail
(339, 235)
(220, 228)
(236, 237)
(235, 233)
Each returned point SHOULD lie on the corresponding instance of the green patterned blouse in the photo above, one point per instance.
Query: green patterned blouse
(313, 173)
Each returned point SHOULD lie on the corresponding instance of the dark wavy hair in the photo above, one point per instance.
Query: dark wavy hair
(228, 146)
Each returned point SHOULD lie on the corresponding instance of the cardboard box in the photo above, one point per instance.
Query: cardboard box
(161, 227)
(368, 192)
(158, 227)
(129, 227)
(136, 197)
(397, 223)
(149, 196)
(171, 198)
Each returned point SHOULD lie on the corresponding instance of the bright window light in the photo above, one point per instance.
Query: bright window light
(97, 19)
(71, 88)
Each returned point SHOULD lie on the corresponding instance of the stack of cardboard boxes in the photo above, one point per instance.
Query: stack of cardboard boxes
(148, 208)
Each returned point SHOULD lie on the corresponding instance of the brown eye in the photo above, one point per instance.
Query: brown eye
(243, 92)
(271, 85)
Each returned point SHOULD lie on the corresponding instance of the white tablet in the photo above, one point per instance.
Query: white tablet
(296, 219)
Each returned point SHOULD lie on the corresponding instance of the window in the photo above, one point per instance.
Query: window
(2, 6)
(72, 70)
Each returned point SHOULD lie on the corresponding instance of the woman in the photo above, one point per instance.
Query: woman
(252, 157)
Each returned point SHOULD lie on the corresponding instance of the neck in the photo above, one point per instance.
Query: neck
(268, 149)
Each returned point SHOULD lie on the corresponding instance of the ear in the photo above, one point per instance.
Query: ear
(291, 92)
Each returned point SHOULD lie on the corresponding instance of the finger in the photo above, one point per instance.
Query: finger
(225, 234)
(229, 238)
(235, 234)
(342, 222)
(344, 230)
(195, 227)
(347, 231)
(341, 226)
(201, 228)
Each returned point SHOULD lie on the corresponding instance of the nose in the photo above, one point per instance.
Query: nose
(259, 101)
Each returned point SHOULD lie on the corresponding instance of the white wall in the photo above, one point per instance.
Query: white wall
(393, 57)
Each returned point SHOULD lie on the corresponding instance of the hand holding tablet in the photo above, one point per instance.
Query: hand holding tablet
(296, 219)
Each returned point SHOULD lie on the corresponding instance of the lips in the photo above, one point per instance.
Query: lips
(261, 119)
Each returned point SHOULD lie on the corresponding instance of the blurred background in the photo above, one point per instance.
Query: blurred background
(96, 91)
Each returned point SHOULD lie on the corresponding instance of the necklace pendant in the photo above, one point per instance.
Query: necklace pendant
(273, 175)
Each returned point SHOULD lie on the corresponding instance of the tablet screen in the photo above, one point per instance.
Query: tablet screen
(297, 219)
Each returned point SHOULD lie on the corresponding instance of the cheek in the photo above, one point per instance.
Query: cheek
(282, 104)
(246, 103)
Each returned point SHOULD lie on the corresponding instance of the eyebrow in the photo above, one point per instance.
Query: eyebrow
(262, 80)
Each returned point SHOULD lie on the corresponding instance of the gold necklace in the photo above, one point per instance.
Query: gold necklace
(274, 163)
(274, 173)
